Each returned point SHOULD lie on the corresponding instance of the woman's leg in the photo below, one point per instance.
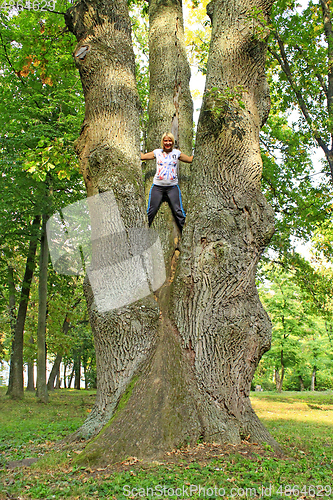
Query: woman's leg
(175, 199)
(154, 202)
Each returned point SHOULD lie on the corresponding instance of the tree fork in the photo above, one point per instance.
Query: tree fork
(195, 375)
(170, 105)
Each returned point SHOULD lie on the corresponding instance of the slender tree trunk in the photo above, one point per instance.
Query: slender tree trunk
(77, 371)
(71, 377)
(328, 30)
(57, 361)
(15, 387)
(58, 379)
(31, 377)
(11, 302)
(85, 374)
(54, 372)
(11, 311)
(31, 371)
(278, 378)
(42, 393)
(301, 383)
(64, 376)
(313, 379)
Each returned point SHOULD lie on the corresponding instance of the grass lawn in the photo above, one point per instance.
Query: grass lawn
(301, 422)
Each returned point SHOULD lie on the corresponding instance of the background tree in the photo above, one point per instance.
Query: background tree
(229, 218)
(301, 46)
(300, 340)
(35, 140)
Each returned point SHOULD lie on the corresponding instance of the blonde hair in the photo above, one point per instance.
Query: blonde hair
(168, 134)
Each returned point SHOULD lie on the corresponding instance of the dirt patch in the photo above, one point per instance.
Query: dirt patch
(206, 452)
(25, 462)
(201, 454)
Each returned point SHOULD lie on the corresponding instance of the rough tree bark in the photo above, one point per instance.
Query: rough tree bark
(170, 101)
(15, 386)
(194, 377)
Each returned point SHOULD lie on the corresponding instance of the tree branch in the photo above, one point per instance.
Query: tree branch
(15, 72)
(329, 40)
(283, 62)
(318, 75)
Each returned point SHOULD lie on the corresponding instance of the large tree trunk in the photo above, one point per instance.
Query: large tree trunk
(195, 376)
(109, 152)
(217, 309)
(170, 101)
(58, 381)
(15, 386)
(42, 393)
(64, 376)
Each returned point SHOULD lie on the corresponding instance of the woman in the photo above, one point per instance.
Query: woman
(165, 182)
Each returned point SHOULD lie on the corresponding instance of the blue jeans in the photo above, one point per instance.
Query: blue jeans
(172, 195)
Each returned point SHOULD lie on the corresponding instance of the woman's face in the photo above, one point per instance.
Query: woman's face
(167, 144)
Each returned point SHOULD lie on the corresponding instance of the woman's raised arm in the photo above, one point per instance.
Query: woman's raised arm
(185, 158)
(147, 156)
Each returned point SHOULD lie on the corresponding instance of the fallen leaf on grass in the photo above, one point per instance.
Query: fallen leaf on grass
(130, 461)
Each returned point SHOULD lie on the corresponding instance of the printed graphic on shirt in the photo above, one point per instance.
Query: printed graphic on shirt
(166, 165)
